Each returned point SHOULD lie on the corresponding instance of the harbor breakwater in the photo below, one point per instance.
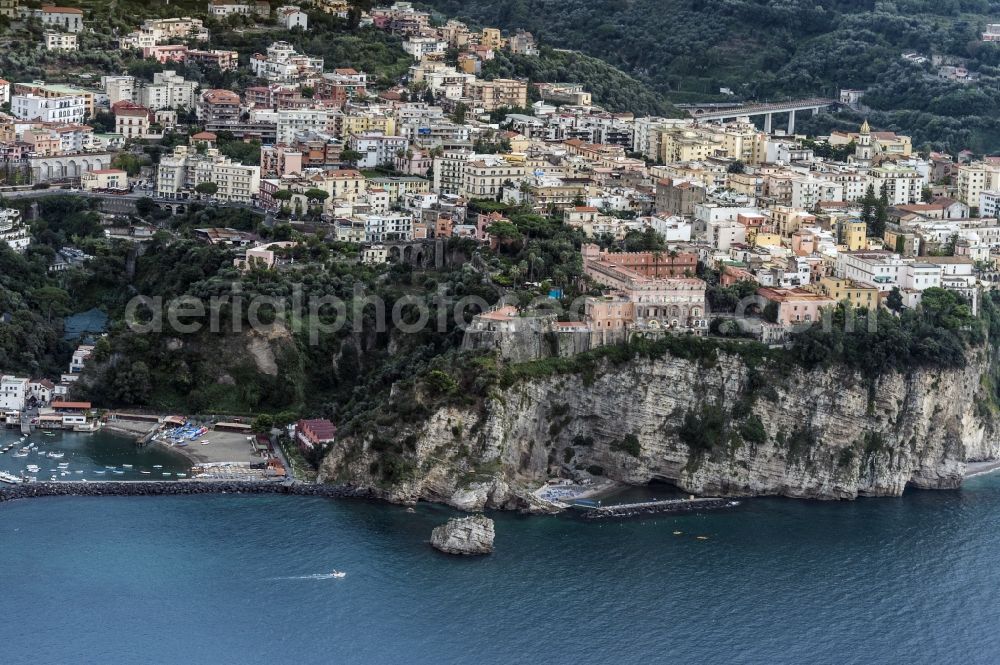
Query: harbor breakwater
(175, 488)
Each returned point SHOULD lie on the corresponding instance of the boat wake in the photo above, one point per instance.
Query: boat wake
(317, 576)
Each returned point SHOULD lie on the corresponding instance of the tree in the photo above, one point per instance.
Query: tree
(458, 116)
(50, 300)
(736, 167)
(316, 194)
(881, 215)
(207, 188)
(351, 157)
(145, 206)
(262, 424)
(894, 300)
(868, 207)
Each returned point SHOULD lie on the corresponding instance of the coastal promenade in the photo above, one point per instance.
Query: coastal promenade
(175, 488)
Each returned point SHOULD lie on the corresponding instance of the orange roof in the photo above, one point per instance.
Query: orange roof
(70, 405)
(204, 136)
(61, 10)
(106, 171)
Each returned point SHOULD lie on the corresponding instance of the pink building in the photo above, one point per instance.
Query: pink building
(796, 306)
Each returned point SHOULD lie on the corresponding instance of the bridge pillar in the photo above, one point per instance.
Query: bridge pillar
(791, 122)
(816, 111)
(767, 123)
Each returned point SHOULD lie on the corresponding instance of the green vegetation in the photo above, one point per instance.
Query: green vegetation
(767, 49)
(629, 444)
(609, 86)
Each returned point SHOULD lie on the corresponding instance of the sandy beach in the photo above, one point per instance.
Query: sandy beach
(981, 468)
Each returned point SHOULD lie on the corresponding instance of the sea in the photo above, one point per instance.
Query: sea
(248, 579)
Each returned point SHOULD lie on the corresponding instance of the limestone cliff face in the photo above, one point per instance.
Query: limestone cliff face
(827, 434)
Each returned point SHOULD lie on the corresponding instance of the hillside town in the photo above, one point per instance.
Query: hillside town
(730, 196)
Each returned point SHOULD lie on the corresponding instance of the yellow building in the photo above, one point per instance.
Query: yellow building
(767, 240)
(492, 38)
(855, 234)
(859, 294)
(365, 124)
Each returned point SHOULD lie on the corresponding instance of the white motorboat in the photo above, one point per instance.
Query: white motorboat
(56, 455)
(338, 574)
(9, 478)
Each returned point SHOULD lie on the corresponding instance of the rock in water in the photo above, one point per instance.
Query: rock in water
(464, 535)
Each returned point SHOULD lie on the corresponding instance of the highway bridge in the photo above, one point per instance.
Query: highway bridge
(722, 113)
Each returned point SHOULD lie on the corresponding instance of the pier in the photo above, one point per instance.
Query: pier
(655, 507)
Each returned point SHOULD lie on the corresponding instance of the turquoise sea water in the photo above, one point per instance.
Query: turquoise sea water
(240, 579)
(90, 455)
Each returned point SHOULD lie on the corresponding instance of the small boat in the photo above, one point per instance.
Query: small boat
(182, 475)
(57, 455)
(166, 473)
(118, 473)
(145, 473)
(126, 466)
(701, 537)
(50, 434)
(677, 533)
(32, 468)
(19, 454)
(52, 477)
(109, 467)
(338, 574)
(100, 473)
(204, 443)
(157, 466)
(78, 471)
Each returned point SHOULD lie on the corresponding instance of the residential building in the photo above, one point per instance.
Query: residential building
(796, 306)
(13, 392)
(377, 149)
(68, 109)
(314, 433)
(484, 178)
(132, 120)
(104, 180)
(119, 88)
(498, 93)
(880, 268)
(180, 172)
(218, 108)
(60, 41)
(291, 16)
(168, 91)
(858, 294)
(69, 19)
(57, 90)
(974, 179)
(902, 185)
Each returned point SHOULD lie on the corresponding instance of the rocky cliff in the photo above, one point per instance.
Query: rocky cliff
(723, 426)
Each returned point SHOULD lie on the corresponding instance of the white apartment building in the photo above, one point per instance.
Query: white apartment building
(158, 31)
(179, 173)
(13, 392)
(69, 19)
(920, 276)
(290, 17)
(282, 64)
(388, 226)
(484, 178)
(902, 184)
(168, 91)
(883, 269)
(809, 190)
(67, 109)
(119, 88)
(989, 203)
(60, 41)
(377, 149)
(976, 178)
(418, 47)
(292, 121)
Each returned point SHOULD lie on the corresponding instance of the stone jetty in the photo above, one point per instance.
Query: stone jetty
(174, 488)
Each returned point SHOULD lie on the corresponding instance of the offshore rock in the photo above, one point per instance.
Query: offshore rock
(464, 535)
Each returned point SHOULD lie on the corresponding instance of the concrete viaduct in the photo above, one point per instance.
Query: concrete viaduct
(712, 113)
